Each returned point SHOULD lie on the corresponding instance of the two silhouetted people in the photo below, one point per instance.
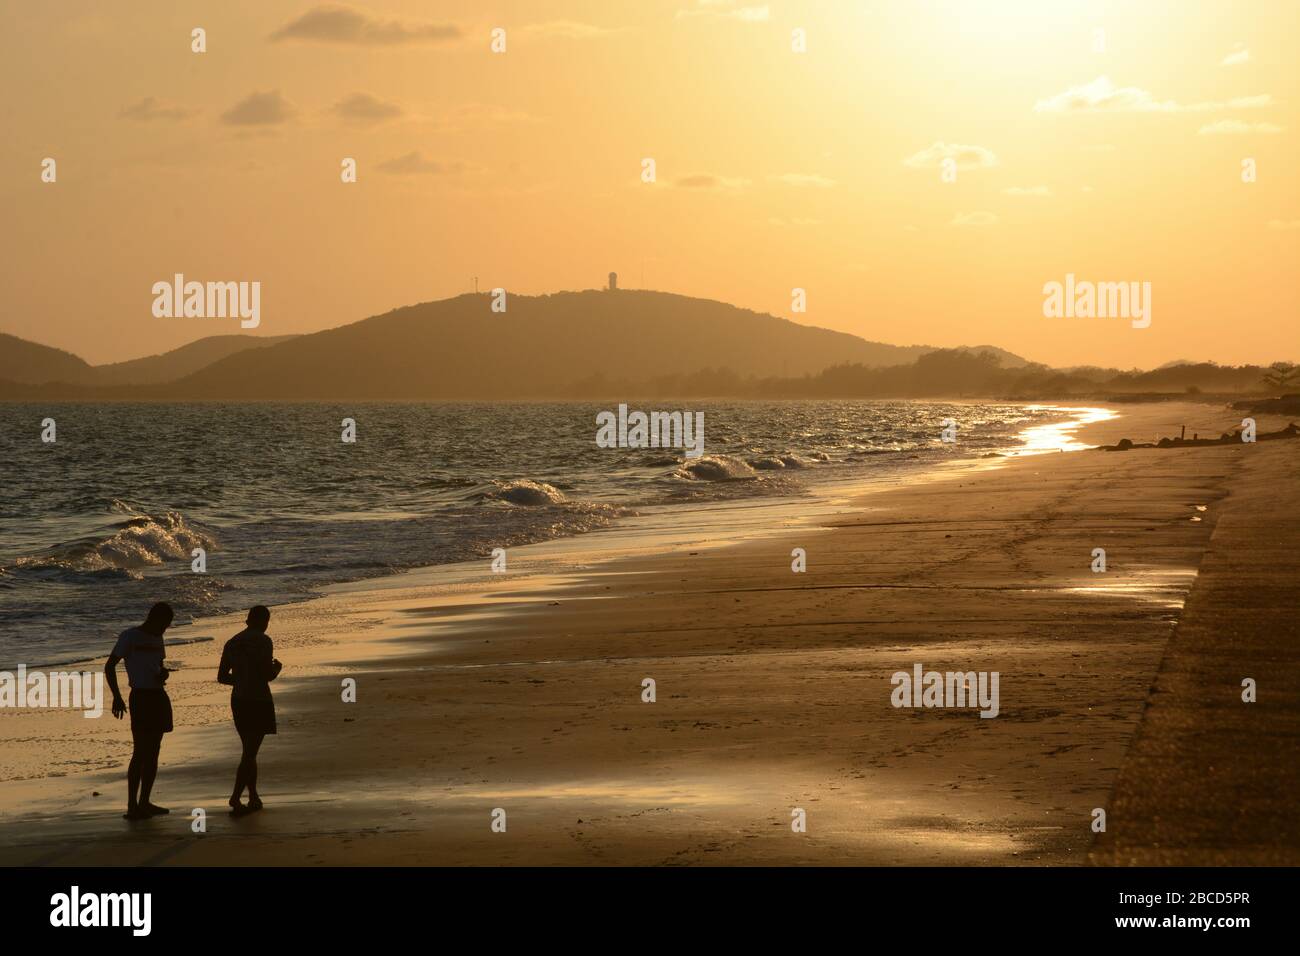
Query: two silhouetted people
(247, 665)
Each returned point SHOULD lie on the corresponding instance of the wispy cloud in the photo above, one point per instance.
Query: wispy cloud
(709, 181)
(1238, 56)
(1256, 102)
(260, 109)
(966, 157)
(567, 30)
(415, 164)
(339, 23)
(150, 109)
(729, 9)
(1232, 127)
(804, 180)
(1103, 96)
(477, 116)
(365, 108)
(964, 219)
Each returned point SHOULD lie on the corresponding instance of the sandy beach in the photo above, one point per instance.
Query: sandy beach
(524, 691)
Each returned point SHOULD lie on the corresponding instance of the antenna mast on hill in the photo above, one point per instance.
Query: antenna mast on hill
(476, 285)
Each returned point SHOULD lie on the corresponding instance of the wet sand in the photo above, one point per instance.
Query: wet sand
(773, 690)
(1211, 779)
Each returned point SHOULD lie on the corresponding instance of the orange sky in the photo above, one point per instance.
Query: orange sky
(775, 169)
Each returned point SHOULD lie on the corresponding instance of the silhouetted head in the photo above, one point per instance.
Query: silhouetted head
(159, 618)
(258, 618)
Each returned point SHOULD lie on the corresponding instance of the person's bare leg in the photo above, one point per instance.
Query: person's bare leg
(148, 772)
(237, 794)
(242, 773)
(253, 744)
(133, 782)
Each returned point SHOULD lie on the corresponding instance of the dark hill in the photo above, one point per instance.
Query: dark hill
(541, 345)
(179, 362)
(30, 364)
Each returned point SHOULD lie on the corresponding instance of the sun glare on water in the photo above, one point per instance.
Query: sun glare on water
(1061, 436)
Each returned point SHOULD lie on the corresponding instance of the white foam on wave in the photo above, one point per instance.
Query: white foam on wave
(524, 491)
(716, 468)
(141, 541)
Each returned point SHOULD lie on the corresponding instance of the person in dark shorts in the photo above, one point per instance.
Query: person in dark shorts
(248, 666)
(141, 648)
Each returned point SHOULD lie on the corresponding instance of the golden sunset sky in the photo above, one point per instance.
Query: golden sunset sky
(775, 169)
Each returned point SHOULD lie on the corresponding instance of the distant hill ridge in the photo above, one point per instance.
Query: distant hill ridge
(28, 363)
(459, 348)
(182, 361)
(31, 364)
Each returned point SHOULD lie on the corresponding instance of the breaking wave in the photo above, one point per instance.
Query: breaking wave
(141, 541)
(532, 494)
(716, 468)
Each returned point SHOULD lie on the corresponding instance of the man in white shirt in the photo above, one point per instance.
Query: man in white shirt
(141, 648)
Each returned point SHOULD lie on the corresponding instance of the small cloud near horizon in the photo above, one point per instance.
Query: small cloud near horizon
(567, 30)
(471, 116)
(415, 164)
(966, 157)
(1103, 96)
(365, 108)
(150, 109)
(709, 181)
(963, 219)
(340, 23)
(1239, 55)
(260, 109)
(727, 9)
(804, 180)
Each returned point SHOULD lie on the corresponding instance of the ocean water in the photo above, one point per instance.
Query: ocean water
(101, 523)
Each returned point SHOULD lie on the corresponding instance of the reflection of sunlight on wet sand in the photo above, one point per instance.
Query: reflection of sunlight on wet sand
(1061, 435)
(638, 793)
(1166, 587)
(903, 821)
(945, 838)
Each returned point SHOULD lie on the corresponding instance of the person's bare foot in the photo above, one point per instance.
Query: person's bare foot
(153, 810)
(255, 804)
(136, 813)
(237, 809)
